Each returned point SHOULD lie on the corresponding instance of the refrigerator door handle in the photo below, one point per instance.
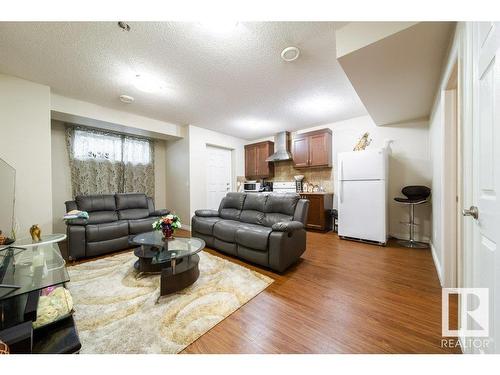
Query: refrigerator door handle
(340, 190)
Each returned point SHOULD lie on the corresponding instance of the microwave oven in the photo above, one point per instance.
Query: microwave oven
(251, 186)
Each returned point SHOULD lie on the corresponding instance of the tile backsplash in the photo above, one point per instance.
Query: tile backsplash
(284, 171)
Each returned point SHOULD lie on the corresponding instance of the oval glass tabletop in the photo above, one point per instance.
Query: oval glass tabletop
(46, 239)
(160, 251)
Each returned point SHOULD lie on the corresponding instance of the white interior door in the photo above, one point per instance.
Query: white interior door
(486, 173)
(218, 175)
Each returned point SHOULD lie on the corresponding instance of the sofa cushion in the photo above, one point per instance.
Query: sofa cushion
(282, 203)
(98, 217)
(226, 230)
(133, 213)
(101, 202)
(131, 200)
(252, 217)
(230, 214)
(226, 247)
(204, 225)
(253, 236)
(255, 202)
(106, 231)
(233, 200)
(137, 226)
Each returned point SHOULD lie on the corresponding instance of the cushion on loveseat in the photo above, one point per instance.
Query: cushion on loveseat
(106, 231)
(126, 201)
(133, 213)
(144, 225)
(98, 217)
(90, 203)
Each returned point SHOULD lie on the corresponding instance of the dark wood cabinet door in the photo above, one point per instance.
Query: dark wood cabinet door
(318, 216)
(256, 165)
(250, 161)
(318, 150)
(300, 151)
(315, 216)
(263, 151)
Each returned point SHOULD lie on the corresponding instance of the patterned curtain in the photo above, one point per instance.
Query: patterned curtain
(105, 163)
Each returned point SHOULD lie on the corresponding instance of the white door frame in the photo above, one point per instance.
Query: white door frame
(451, 162)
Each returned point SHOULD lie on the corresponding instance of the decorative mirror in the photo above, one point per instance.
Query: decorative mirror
(7, 198)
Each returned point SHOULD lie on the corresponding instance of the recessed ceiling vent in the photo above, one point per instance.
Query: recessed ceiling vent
(282, 147)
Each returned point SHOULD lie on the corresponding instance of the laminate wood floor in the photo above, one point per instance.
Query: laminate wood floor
(342, 297)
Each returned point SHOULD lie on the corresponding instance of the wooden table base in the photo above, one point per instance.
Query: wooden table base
(186, 273)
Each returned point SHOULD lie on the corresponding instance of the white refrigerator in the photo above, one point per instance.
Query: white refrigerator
(362, 195)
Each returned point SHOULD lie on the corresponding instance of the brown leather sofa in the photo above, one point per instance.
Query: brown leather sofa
(113, 218)
(266, 229)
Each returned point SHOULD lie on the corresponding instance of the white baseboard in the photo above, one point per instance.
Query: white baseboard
(437, 264)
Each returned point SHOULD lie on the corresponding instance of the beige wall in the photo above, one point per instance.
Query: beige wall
(26, 145)
(61, 175)
(177, 189)
(199, 138)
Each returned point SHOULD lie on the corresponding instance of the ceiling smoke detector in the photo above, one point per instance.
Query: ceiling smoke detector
(124, 26)
(290, 54)
(126, 99)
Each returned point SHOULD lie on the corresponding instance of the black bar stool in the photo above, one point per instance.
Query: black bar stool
(415, 194)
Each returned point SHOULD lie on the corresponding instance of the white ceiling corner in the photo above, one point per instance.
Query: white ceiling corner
(233, 82)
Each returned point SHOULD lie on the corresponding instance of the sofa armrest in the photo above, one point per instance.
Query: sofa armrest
(77, 221)
(160, 212)
(207, 213)
(287, 226)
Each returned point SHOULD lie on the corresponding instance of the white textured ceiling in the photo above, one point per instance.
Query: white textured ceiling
(232, 81)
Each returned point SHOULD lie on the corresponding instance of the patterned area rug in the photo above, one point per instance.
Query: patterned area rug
(117, 313)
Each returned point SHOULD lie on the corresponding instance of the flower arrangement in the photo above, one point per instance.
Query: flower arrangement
(167, 224)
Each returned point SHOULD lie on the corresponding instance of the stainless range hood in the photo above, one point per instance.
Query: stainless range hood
(281, 147)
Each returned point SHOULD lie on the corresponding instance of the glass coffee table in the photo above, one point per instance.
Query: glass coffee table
(176, 259)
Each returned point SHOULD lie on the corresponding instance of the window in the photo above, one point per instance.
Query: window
(94, 145)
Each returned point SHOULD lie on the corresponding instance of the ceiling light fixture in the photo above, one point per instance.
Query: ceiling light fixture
(124, 26)
(127, 99)
(290, 54)
(146, 83)
(318, 105)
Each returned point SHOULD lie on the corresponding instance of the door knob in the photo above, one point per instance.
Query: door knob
(472, 211)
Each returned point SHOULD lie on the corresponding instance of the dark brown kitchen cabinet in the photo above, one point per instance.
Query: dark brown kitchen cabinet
(256, 165)
(318, 217)
(312, 149)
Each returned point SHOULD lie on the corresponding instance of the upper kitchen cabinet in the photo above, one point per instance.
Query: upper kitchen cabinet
(312, 149)
(256, 165)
